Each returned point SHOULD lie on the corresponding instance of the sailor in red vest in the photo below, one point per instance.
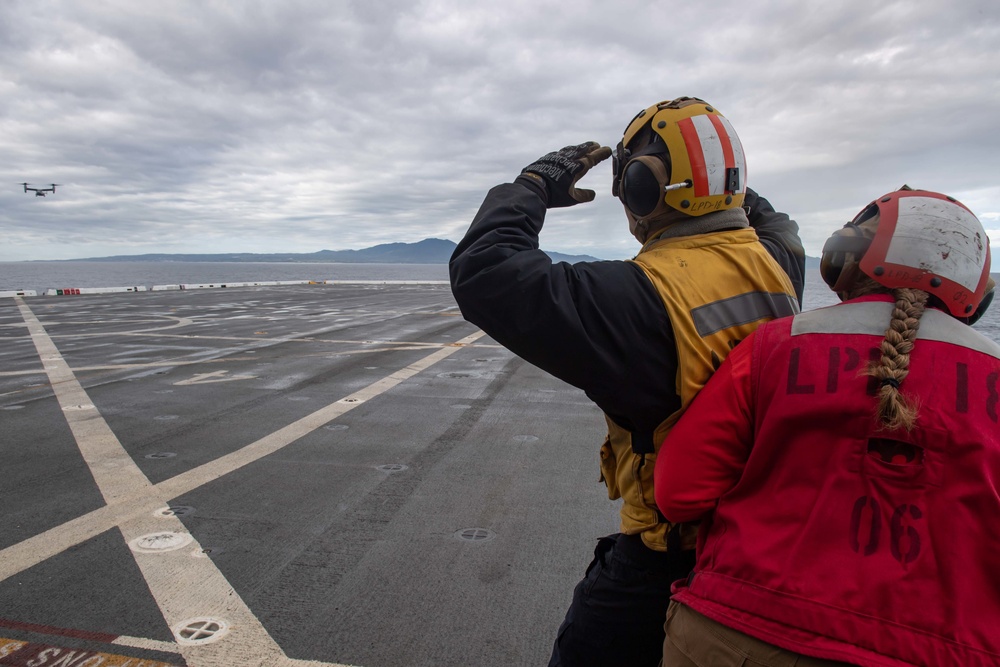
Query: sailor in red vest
(845, 464)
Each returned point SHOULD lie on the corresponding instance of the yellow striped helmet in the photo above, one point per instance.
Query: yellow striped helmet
(682, 154)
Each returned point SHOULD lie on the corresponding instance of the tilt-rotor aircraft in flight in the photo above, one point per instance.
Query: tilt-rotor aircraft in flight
(40, 192)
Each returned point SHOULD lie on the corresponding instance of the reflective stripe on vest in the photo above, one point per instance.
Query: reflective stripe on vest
(872, 318)
(741, 309)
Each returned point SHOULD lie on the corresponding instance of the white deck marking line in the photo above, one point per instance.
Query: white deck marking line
(25, 554)
(192, 479)
(116, 474)
(125, 367)
(169, 364)
(213, 377)
(28, 553)
(179, 321)
(148, 644)
(183, 587)
(307, 338)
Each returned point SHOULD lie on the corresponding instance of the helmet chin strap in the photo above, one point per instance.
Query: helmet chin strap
(638, 226)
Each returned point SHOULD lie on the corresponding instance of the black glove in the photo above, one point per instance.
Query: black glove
(559, 171)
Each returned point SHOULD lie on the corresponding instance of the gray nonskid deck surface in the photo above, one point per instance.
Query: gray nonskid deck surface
(320, 474)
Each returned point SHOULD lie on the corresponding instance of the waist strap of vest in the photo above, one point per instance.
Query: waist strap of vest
(642, 443)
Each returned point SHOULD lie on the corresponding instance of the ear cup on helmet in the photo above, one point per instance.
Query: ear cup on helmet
(640, 189)
(983, 305)
(846, 246)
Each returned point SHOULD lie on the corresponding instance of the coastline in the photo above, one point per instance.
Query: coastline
(43, 276)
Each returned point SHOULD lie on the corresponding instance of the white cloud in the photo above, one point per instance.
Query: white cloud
(297, 126)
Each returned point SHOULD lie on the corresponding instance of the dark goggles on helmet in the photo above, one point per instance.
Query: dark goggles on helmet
(849, 239)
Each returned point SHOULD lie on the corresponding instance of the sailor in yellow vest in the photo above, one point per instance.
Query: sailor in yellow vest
(640, 337)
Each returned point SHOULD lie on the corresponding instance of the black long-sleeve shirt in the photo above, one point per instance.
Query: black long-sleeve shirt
(599, 326)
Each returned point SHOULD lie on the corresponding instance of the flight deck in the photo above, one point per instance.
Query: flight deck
(326, 474)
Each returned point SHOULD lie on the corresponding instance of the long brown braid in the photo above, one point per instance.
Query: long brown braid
(895, 410)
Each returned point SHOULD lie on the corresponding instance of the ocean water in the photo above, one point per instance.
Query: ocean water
(818, 295)
(40, 276)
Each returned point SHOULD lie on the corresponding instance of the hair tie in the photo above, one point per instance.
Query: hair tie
(892, 382)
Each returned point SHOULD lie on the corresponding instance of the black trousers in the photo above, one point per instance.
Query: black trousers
(618, 610)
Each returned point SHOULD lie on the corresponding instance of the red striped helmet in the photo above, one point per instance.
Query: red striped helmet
(682, 154)
(914, 238)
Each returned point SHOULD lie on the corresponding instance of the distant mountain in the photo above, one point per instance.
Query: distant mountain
(428, 251)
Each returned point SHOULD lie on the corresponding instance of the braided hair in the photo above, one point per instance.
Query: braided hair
(894, 410)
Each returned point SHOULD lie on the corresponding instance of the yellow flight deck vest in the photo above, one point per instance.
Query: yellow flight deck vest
(717, 288)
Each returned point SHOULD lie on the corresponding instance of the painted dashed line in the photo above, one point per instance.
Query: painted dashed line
(183, 588)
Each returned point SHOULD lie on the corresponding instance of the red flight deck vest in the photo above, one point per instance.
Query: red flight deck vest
(826, 549)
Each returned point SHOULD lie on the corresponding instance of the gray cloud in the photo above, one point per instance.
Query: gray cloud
(297, 126)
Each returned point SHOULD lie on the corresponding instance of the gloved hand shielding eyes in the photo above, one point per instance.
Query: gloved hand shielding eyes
(560, 171)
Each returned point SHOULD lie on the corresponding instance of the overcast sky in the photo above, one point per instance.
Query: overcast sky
(302, 125)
